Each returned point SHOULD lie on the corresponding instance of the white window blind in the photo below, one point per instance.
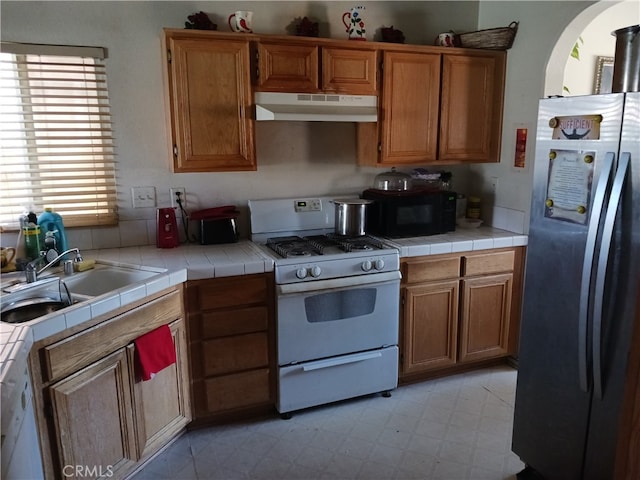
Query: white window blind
(56, 142)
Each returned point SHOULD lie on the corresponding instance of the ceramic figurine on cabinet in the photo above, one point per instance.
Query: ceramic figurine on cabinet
(354, 23)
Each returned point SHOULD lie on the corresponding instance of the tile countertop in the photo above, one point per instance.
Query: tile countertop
(174, 266)
(462, 240)
(193, 262)
(200, 261)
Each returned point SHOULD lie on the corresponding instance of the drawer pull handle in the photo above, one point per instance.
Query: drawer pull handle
(333, 362)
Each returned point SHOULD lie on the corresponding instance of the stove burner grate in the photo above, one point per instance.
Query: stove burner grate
(357, 244)
(292, 246)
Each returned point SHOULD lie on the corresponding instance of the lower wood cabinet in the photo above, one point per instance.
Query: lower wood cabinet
(93, 417)
(231, 346)
(97, 418)
(458, 309)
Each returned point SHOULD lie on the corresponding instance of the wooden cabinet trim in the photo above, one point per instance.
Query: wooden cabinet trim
(486, 324)
(349, 71)
(232, 354)
(224, 323)
(238, 390)
(70, 398)
(289, 67)
(430, 327)
(74, 352)
(499, 272)
(227, 292)
(407, 103)
(211, 106)
(232, 345)
(162, 406)
(490, 262)
(429, 269)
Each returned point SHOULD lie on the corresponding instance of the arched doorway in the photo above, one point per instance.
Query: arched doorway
(594, 25)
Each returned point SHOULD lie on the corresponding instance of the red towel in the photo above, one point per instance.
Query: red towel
(155, 351)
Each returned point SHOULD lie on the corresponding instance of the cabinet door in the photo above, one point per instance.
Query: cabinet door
(93, 417)
(162, 404)
(410, 106)
(287, 68)
(472, 98)
(486, 312)
(211, 102)
(430, 326)
(348, 71)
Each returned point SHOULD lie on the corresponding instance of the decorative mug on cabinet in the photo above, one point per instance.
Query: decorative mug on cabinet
(355, 23)
(240, 21)
(446, 40)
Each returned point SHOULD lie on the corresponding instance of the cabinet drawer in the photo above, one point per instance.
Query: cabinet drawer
(229, 292)
(287, 68)
(431, 269)
(231, 354)
(494, 262)
(238, 390)
(234, 322)
(74, 352)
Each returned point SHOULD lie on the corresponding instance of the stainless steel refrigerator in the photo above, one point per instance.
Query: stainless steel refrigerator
(583, 264)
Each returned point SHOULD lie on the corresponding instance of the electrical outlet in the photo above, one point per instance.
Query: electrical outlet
(174, 196)
(494, 184)
(143, 197)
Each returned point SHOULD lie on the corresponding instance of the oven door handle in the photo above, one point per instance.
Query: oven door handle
(332, 284)
(334, 362)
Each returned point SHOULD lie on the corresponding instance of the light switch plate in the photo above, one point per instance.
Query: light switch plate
(143, 197)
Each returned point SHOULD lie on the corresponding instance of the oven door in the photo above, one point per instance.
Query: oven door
(325, 318)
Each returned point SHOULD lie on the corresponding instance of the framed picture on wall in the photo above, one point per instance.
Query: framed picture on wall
(604, 75)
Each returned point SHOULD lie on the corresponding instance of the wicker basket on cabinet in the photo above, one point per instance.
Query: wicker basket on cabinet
(491, 38)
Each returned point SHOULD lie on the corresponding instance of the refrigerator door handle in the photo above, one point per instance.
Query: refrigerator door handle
(584, 347)
(601, 272)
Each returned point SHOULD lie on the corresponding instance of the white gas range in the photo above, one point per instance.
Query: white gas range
(337, 304)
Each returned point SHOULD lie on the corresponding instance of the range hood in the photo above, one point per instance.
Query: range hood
(312, 107)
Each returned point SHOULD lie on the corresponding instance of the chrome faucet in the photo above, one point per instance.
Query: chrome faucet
(31, 270)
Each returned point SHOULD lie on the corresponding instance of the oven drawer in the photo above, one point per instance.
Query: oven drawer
(337, 378)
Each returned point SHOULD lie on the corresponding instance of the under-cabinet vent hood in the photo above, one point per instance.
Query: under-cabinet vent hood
(312, 107)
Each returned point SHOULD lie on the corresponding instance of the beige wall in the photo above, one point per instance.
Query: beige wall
(294, 158)
(536, 68)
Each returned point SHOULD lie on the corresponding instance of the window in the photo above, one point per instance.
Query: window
(56, 142)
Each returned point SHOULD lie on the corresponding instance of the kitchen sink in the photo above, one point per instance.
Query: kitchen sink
(27, 309)
(104, 278)
(21, 302)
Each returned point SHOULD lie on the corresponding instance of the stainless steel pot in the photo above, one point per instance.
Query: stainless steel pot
(351, 216)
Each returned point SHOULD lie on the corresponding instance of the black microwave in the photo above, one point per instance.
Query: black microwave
(410, 213)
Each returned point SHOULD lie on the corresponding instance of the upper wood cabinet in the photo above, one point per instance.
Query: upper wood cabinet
(210, 102)
(436, 108)
(409, 121)
(471, 107)
(310, 68)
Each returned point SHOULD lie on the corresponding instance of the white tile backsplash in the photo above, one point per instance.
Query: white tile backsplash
(106, 237)
(508, 219)
(133, 233)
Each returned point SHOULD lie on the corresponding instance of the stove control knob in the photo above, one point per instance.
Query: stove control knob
(301, 273)
(315, 271)
(366, 265)
(379, 264)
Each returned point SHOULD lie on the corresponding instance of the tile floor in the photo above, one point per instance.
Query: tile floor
(454, 428)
